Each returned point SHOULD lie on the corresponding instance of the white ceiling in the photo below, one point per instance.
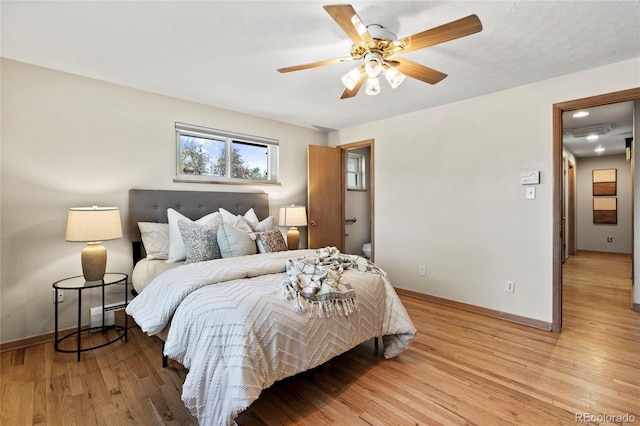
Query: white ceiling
(619, 115)
(226, 54)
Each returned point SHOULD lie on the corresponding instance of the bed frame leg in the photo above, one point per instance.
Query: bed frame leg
(311, 375)
(165, 359)
(375, 345)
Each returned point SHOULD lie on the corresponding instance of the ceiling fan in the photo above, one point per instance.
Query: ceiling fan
(376, 46)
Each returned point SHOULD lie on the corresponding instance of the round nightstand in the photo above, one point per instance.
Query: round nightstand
(79, 284)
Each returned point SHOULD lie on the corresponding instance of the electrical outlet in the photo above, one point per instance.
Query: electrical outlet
(422, 270)
(509, 286)
(609, 239)
(60, 297)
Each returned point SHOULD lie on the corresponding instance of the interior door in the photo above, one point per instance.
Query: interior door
(324, 197)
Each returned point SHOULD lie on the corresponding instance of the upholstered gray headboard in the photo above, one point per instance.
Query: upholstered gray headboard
(148, 205)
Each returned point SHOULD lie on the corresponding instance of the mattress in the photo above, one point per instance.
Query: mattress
(146, 270)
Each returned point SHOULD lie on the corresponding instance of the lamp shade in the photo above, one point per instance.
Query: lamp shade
(93, 224)
(292, 216)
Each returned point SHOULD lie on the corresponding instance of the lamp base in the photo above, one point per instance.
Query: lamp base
(293, 238)
(94, 261)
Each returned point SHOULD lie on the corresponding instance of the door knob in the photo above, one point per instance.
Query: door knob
(313, 223)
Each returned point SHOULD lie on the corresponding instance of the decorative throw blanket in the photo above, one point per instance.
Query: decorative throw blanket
(316, 281)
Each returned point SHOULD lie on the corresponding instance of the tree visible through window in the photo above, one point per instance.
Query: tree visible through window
(214, 155)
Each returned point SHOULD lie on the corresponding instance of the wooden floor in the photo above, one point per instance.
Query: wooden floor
(462, 368)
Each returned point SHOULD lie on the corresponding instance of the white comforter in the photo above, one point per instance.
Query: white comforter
(239, 336)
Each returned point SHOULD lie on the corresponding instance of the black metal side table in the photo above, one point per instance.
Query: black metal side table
(78, 283)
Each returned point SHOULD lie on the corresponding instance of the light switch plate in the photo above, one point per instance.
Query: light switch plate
(531, 193)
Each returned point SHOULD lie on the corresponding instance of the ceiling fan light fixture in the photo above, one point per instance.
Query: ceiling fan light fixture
(373, 86)
(373, 64)
(351, 78)
(394, 77)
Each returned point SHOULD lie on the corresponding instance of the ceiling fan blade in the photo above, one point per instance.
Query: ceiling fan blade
(451, 31)
(351, 93)
(419, 72)
(315, 64)
(347, 18)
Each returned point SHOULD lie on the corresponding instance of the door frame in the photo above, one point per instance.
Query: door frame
(368, 143)
(571, 208)
(557, 111)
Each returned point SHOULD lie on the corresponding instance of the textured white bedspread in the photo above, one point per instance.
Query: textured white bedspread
(239, 336)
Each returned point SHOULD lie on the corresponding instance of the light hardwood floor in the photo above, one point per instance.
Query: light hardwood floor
(462, 368)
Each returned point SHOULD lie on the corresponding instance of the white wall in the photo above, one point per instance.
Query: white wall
(448, 191)
(592, 236)
(70, 141)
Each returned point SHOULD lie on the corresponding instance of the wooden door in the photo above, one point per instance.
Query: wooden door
(324, 197)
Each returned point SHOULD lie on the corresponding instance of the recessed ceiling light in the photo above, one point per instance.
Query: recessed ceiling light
(593, 137)
(580, 114)
(599, 149)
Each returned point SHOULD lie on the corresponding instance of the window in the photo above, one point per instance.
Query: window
(210, 155)
(355, 172)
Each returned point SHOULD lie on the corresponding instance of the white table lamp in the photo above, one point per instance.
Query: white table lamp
(93, 225)
(293, 216)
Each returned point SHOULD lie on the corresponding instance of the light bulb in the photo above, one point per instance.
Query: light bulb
(373, 86)
(372, 64)
(373, 67)
(394, 77)
(351, 78)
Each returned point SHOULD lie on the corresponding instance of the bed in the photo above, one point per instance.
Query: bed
(241, 322)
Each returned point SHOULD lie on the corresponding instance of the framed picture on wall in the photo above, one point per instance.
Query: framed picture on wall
(605, 210)
(604, 182)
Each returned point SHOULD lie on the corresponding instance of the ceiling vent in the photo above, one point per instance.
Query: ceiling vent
(595, 129)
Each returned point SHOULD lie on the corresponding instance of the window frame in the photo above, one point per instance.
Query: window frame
(229, 138)
(360, 172)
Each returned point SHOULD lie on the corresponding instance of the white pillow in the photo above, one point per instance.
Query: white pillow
(177, 251)
(155, 238)
(235, 242)
(249, 216)
(266, 225)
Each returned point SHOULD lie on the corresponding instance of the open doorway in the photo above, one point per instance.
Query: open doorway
(558, 198)
(358, 160)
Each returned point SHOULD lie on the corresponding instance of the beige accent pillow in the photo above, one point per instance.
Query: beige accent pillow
(270, 241)
(155, 238)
